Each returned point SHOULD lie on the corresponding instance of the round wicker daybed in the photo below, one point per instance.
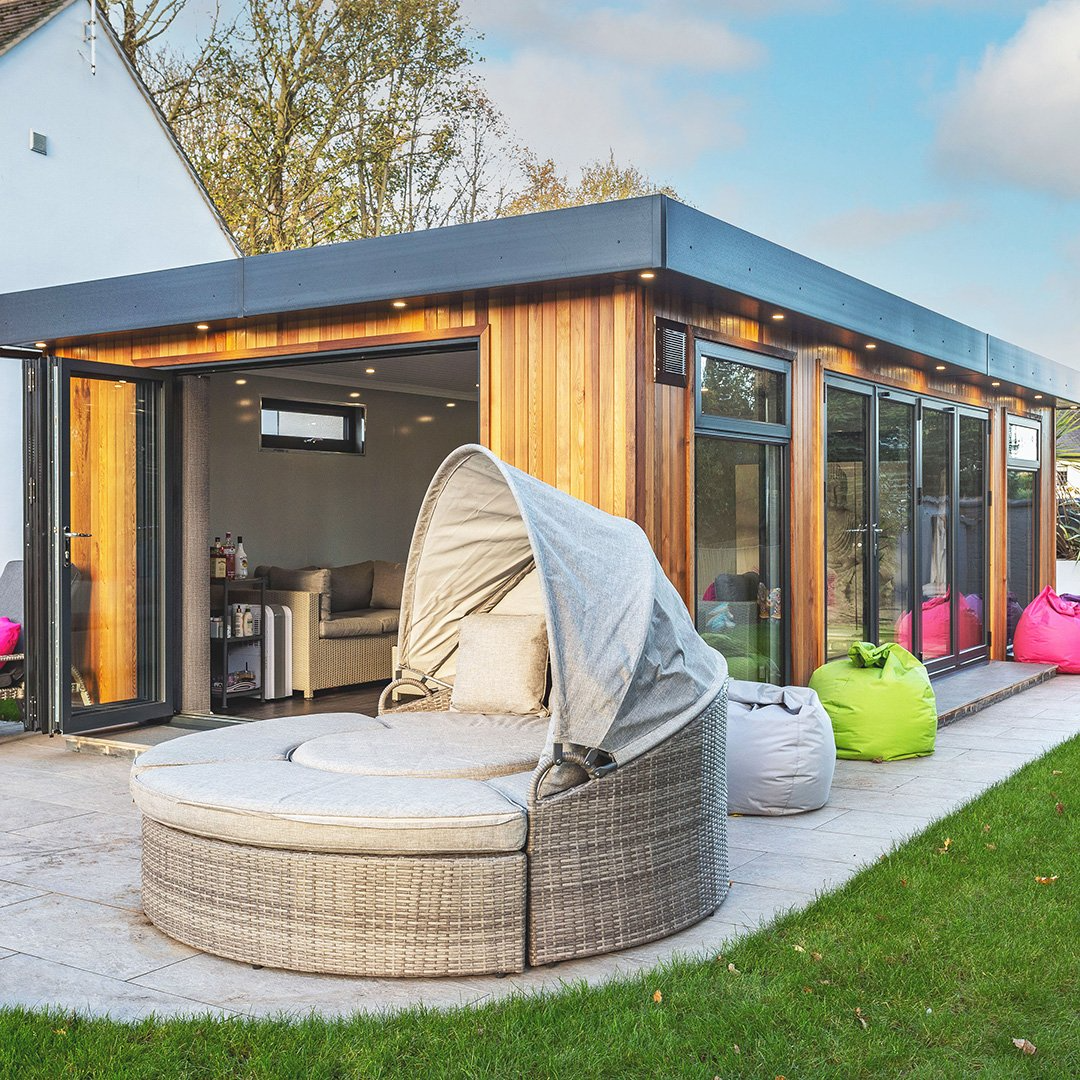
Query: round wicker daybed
(526, 806)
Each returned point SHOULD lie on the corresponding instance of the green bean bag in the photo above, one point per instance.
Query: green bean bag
(880, 702)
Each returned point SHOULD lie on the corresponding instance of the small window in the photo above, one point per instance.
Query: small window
(313, 425)
(1022, 447)
(742, 392)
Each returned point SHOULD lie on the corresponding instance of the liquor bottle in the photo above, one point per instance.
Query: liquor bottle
(241, 558)
(217, 559)
(230, 556)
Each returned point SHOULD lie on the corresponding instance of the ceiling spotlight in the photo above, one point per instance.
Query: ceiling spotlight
(451, 404)
(399, 304)
(202, 326)
(940, 367)
(647, 275)
(40, 344)
(778, 316)
(995, 383)
(241, 382)
(1038, 397)
(871, 345)
(370, 370)
(354, 394)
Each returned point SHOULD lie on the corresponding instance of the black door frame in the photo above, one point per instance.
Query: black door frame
(47, 413)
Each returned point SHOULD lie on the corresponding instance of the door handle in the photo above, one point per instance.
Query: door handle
(75, 535)
(69, 536)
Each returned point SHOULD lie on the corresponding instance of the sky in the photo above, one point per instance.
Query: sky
(931, 147)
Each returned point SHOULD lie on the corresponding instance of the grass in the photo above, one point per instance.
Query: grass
(927, 964)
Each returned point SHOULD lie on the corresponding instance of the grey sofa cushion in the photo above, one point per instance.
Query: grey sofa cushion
(351, 586)
(388, 585)
(346, 624)
(502, 664)
(312, 581)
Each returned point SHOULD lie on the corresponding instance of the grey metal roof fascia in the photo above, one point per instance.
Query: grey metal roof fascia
(711, 250)
(583, 241)
(1012, 364)
(188, 294)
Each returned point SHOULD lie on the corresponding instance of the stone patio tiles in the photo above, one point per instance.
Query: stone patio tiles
(72, 933)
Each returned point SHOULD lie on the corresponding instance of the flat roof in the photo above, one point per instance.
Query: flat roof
(653, 232)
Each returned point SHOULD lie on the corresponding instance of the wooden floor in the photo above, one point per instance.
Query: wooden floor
(355, 699)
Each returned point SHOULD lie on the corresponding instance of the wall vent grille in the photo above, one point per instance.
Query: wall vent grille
(672, 353)
(39, 143)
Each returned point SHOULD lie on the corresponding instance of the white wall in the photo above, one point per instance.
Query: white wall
(298, 508)
(112, 196)
(11, 474)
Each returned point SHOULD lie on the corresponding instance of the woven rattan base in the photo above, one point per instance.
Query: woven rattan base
(366, 915)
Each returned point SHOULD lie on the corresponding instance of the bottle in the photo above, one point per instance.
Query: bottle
(217, 559)
(249, 622)
(241, 558)
(230, 556)
(238, 620)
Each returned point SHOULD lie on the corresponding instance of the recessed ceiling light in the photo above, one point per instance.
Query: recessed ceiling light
(202, 326)
(1038, 397)
(871, 345)
(939, 367)
(241, 382)
(647, 275)
(399, 304)
(995, 383)
(778, 316)
(370, 370)
(451, 404)
(354, 393)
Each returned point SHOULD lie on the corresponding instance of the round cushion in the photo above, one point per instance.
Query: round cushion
(444, 744)
(780, 749)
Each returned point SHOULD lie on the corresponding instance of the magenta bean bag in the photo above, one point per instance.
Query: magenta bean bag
(1049, 633)
(936, 627)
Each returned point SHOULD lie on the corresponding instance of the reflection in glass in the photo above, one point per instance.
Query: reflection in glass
(1022, 543)
(933, 535)
(971, 533)
(1023, 442)
(739, 555)
(896, 500)
(847, 518)
(742, 391)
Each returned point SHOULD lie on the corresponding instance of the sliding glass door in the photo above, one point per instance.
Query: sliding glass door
(1023, 439)
(905, 515)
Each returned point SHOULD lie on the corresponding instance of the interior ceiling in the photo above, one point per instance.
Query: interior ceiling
(444, 374)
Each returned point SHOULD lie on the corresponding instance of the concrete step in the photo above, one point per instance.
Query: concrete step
(964, 692)
(130, 742)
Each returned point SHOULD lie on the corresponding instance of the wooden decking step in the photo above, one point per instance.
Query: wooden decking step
(962, 693)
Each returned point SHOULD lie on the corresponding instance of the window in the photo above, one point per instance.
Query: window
(312, 425)
(1022, 446)
(743, 392)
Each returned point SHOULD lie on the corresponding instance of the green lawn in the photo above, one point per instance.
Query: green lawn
(928, 964)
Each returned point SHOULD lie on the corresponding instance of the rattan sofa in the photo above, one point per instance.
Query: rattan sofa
(431, 840)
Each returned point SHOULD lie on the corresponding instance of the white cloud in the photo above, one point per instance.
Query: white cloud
(873, 227)
(1017, 117)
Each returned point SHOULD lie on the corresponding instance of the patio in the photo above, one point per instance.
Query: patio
(72, 933)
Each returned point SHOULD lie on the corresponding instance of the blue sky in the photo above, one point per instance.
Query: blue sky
(931, 147)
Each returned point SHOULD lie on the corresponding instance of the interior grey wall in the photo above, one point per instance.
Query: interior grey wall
(295, 508)
(11, 461)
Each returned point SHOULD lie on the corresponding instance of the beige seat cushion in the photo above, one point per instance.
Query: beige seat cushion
(442, 744)
(502, 664)
(351, 586)
(281, 804)
(388, 584)
(346, 624)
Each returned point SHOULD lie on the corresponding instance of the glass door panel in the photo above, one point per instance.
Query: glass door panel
(894, 553)
(1021, 544)
(971, 562)
(934, 523)
(847, 518)
(740, 564)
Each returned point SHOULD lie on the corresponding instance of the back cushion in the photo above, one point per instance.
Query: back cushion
(9, 637)
(351, 586)
(502, 664)
(313, 581)
(388, 584)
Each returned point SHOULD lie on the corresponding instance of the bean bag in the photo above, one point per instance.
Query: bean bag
(1049, 633)
(936, 626)
(880, 702)
(780, 749)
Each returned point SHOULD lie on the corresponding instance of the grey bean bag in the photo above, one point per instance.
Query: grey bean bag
(780, 749)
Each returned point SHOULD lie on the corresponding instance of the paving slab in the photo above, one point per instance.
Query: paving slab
(17, 814)
(107, 873)
(12, 892)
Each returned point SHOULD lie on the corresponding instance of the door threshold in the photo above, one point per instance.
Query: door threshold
(130, 742)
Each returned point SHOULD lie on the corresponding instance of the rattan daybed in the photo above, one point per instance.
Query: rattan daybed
(441, 839)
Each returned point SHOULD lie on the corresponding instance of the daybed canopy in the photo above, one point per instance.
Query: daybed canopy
(627, 666)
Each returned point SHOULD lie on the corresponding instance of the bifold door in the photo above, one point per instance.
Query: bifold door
(97, 551)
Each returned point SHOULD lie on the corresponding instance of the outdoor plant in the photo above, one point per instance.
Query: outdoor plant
(1068, 496)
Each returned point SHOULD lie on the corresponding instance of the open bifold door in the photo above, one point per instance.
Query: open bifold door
(98, 511)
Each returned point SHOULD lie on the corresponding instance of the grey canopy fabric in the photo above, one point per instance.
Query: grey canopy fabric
(627, 666)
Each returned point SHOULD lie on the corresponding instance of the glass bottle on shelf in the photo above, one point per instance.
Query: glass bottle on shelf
(217, 559)
(230, 556)
(241, 558)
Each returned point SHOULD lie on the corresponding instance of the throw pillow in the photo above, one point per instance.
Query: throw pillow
(502, 664)
(9, 637)
(313, 581)
(388, 585)
(351, 586)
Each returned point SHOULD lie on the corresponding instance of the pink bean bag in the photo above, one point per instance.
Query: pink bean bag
(1049, 633)
(936, 620)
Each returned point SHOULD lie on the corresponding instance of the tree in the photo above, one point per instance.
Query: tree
(602, 180)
